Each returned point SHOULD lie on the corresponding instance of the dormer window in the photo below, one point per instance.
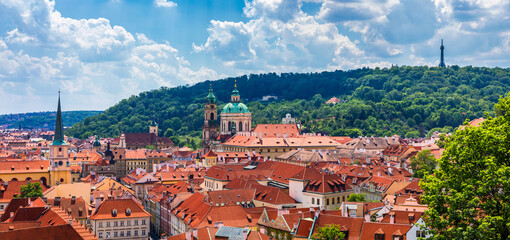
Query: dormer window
(379, 236)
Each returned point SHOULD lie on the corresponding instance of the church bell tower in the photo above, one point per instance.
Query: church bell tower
(60, 171)
(210, 128)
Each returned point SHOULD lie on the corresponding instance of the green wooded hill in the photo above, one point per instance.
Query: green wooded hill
(42, 120)
(408, 101)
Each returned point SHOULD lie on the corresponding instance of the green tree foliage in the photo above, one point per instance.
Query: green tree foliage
(423, 163)
(407, 101)
(357, 197)
(32, 189)
(43, 119)
(469, 195)
(329, 232)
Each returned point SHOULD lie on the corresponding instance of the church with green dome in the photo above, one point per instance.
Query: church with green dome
(235, 116)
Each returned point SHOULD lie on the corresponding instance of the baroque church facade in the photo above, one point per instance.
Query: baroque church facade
(234, 118)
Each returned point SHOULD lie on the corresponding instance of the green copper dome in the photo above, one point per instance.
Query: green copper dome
(211, 98)
(235, 108)
(97, 143)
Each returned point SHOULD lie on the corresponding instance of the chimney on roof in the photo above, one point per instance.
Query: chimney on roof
(73, 200)
(188, 235)
(195, 233)
(367, 217)
(71, 221)
(98, 202)
(392, 218)
(57, 201)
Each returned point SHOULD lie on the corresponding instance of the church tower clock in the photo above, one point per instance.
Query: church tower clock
(210, 128)
(60, 171)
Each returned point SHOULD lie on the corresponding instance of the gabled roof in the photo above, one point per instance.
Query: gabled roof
(403, 217)
(371, 228)
(121, 205)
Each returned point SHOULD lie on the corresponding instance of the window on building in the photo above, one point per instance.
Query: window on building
(107, 224)
(115, 234)
(318, 201)
(128, 233)
(327, 201)
(136, 222)
(100, 235)
(420, 234)
(338, 199)
(333, 201)
(100, 224)
(121, 223)
(128, 223)
(398, 237)
(108, 235)
(136, 232)
(143, 222)
(313, 200)
(143, 232)
(122, 233)
(379, 236)
(115, 224)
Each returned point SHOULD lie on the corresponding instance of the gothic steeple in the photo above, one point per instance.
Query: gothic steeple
(58, 139)
(441, 64)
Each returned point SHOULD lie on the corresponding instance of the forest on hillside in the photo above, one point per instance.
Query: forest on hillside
(408, 101)
(42, 120)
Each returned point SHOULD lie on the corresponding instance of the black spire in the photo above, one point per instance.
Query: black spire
(441, 64)
(58, 139)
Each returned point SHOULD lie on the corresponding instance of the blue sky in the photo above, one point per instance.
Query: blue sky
(99, 52)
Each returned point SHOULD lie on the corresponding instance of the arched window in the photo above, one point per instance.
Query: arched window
(212, 116)
(43, 181)
(240, 126)
(229, 127)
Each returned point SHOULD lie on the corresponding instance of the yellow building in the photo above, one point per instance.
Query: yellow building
(60, 169)
(136, 159)
(55, 171)
(25, 170)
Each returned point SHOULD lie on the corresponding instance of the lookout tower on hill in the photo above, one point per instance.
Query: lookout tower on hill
(441, 63)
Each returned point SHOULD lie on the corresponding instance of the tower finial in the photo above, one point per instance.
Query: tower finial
(235, 83)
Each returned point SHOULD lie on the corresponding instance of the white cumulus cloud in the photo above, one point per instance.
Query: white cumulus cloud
(165, 3)
(93, 62)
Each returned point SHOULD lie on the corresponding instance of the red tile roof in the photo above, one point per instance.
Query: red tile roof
(403, 217)
(13, 188)
(371, 228)
(35, 166)
(108, 205)
(276, 130)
